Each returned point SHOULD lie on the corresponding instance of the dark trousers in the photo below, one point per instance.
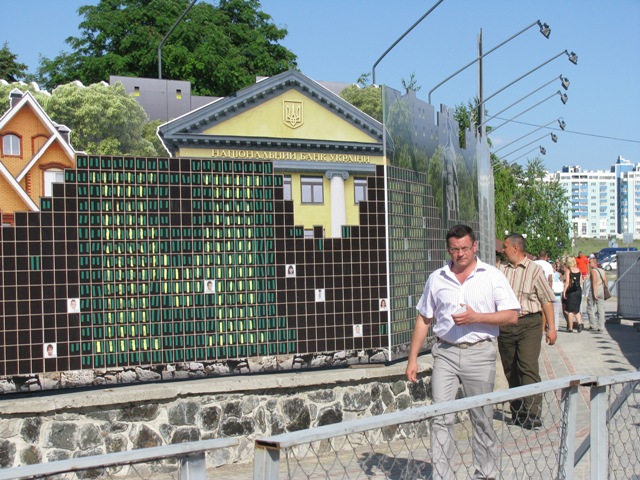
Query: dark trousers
(519, 347)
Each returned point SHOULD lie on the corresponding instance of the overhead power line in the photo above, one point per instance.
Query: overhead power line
(594, 135)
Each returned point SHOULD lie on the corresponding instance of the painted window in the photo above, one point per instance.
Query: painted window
(359, 190)
(50, 177)
(11, 145)
(312, 191)
(287, 187)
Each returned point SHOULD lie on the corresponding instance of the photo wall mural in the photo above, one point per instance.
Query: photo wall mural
(149, 263)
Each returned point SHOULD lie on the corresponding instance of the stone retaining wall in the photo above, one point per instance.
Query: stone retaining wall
(44, 428)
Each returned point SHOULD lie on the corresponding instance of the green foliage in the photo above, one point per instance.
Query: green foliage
(536, 208)
(40, 96)
(464, 115)
(220, 50)
(149, 133)
(505, 190)
(104, 120)
(367, 98)
(10, 69)
(593, 245)
(411, 85)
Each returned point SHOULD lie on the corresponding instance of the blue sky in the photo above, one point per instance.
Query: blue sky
(338, 40)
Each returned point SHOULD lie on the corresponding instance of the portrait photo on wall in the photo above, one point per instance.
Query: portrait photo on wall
(209, 286)
(73, 305)
(384, 305)
(49, 350)
(357, 330)
(290, 271)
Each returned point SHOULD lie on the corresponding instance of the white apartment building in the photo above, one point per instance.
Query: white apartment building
(602, 204)
(629, 200)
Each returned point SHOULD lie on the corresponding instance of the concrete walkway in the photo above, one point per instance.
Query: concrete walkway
(616, 350)
(613, 351)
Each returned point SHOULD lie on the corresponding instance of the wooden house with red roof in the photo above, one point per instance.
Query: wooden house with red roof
(34, 151)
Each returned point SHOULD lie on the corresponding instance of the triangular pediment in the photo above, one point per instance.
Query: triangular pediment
(288, 109)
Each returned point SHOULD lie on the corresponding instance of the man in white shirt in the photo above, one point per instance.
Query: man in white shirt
(543, 261)
(464, 351)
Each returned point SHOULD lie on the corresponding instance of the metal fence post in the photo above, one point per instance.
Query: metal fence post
(193, 467)
(599, 455)
(566, 456)
(266, 461)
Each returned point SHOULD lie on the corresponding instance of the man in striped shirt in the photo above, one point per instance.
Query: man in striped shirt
(520, 344)
(467, 300)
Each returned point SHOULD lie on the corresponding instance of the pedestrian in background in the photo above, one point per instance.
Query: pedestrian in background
(595, 298)
(572, 294)
(543, 261)
(582, 262)
(520, 344)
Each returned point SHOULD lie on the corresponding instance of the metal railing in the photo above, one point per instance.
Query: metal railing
(600, 414)
(155, 462)
(397, 445)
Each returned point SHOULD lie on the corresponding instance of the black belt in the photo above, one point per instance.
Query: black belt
(464, 345)
(530, 314)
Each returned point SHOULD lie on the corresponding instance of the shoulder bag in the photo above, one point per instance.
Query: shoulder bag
(605, 287)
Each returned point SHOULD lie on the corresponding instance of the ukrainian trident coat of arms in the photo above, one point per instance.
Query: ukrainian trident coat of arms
(292, 113)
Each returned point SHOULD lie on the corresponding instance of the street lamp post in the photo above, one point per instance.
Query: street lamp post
(565, 85)
(573, 58)
(559, 120)
(563, 97)
(554, 138)
(544, 29)
(373, 69)
(167, 36)
(543, 151)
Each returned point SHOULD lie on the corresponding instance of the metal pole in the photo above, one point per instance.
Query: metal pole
(167, 36)
(537, 22)
(517, 101)
(524, 146)
(480, 86)
(530, 133)
(525, 111)
(526, 74)
(373, 69)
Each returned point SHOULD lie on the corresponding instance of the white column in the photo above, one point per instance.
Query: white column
(338, 207)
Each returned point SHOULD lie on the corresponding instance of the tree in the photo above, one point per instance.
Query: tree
(42, 97)
(10, 69)
(411, 84)
(538, 209)
(220, 50)
(364, 96)
(464, 115)
(505, 188)
(104, 119)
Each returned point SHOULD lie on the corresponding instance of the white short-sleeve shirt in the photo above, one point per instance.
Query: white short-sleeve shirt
(486, 290)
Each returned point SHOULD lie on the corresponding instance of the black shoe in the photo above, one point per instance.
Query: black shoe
(519, 421)
(532, 424)
(579, 327)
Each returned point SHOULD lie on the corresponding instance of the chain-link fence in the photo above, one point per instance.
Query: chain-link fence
(183, 461)
(614, 442)
(588, 428)
(401, 445)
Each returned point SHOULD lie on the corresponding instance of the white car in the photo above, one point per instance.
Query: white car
(610, 264)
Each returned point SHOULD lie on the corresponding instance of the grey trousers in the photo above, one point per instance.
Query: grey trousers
(475, 369)
(595, 309)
